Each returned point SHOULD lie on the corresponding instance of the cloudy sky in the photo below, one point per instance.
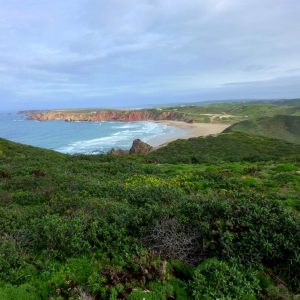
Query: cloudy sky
(84, 53)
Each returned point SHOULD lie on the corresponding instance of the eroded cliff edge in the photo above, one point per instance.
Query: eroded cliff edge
(95, 116)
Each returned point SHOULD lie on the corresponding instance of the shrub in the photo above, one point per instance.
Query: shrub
(10, 257)
(23, 292)
(171, 239)
(74, 273)
(144, 190)
(214, 279)
(254, 231)
(111, 239)
(181, 290)
(182, 270)
(157, 290)
(60, 236)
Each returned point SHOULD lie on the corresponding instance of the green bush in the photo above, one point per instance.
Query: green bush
(254, 231)
(155, 291)
(59, 236)
(23, 292)
(110, 239)
(145, 190)
(182, 270)
(74, 273)
(214, 279)
(10, 257)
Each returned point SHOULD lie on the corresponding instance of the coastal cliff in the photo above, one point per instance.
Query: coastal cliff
(95, 116)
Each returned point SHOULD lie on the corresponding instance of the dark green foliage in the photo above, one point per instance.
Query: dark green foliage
(182, 270)
(157, 290)
(23, 292)
(214, 279)
(60, 236)
(10, 257)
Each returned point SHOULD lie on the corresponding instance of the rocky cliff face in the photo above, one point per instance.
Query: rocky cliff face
(139, 147)
(95, 116)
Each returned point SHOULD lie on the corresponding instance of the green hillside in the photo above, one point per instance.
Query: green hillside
(231, 112)
(152, 227)
(233, 146)
(280, 127)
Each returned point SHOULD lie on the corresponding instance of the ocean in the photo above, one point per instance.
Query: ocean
(82, 137)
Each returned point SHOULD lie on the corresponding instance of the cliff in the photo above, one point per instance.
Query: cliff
(95, 116)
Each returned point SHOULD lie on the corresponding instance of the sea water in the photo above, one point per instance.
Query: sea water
(82, 137)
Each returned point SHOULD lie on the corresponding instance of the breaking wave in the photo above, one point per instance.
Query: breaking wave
(81, 137)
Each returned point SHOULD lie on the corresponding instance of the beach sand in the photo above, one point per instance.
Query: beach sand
(186, 131)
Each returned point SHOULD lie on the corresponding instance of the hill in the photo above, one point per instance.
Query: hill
(227, 112)
(127, 227)
(280, 127)
(232, 112)
(233, 146)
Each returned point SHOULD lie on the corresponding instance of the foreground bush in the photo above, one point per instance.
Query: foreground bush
(214, 279)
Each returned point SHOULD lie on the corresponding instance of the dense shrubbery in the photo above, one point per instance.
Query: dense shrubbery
(233, 146)
(214, 279)
(120, 227)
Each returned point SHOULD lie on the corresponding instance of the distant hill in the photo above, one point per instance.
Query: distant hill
(231, 112)
(280, 127)
(223, 112)
(233, 146)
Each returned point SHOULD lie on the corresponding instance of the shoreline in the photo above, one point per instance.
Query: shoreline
(186, 131)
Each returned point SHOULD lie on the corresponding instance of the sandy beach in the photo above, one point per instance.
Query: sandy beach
(187, 130)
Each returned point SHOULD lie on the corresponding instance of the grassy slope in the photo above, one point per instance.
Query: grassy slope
(280, 127)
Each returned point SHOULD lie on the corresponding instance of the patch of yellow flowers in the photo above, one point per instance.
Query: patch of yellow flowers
(183, 182)
(143, 181)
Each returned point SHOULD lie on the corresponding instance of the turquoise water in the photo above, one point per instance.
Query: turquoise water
(82, 137)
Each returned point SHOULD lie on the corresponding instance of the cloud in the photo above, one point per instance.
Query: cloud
(143, 51)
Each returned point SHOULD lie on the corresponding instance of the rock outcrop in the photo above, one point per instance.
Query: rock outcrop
(139, 147)
(96, 116)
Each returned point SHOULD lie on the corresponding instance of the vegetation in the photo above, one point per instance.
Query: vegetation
(232, 112)
(280, 127)
(232, 146)
(206, 218)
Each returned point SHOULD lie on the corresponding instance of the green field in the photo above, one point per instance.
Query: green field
(205, 218)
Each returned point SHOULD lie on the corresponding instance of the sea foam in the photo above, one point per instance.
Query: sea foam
(79, 137)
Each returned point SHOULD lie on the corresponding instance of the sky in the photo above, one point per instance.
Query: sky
(114, 53)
